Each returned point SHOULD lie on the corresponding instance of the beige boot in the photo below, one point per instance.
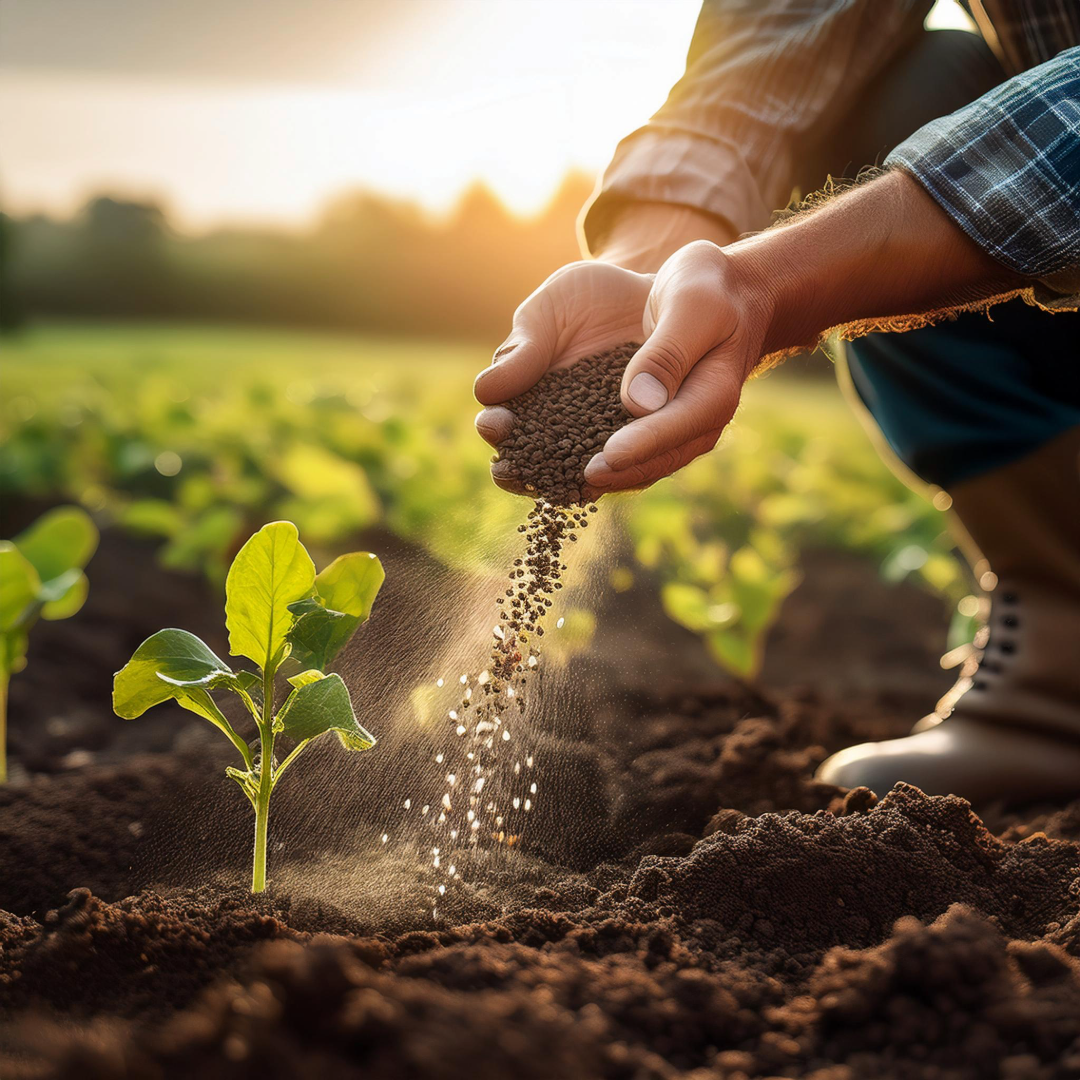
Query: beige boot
(1010, 728)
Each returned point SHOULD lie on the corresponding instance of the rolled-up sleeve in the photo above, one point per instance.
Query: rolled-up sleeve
(762, 77)
(1006, 169)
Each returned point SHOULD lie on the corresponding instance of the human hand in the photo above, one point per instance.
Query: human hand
(586, 308)
(704, 331)
(583, 309)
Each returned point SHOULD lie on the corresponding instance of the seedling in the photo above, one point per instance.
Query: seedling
(284, 617)
(41, 574)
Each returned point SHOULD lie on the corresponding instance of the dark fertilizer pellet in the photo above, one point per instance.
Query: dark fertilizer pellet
(561, 422)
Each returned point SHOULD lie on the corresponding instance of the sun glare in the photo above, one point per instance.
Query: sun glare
(512, 93)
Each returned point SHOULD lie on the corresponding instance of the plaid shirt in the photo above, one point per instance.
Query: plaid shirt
(763, 77)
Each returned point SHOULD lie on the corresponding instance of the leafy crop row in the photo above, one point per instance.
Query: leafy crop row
(195, 437)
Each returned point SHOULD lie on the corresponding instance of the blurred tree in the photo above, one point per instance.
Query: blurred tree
(370, 263)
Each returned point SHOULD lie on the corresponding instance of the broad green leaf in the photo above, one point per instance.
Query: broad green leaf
(19, 585)
(198, 701)
(164, 663)
(351, 583)
(54, 588)
(270, 572)
(249, 681)
(318, 634)
(737, 651)
(305, 678)
(58, 541)
(321, 706)
(152, 517)
(686, 604)
(345, 592)
(68, 601)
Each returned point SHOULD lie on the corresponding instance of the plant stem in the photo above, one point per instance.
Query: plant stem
(262, 820)
(266, 783)
(4, 677)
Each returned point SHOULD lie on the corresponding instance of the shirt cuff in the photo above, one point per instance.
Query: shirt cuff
(1003, 169)
(656, 165)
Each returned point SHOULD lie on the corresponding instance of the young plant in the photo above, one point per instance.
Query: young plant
(41, 574)
(284, 617)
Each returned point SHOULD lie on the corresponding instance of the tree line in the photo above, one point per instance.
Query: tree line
(371, 263)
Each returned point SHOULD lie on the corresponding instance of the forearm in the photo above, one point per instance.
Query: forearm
(881, 256)
(643, 235)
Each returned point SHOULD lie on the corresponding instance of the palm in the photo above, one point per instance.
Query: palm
(590, 308)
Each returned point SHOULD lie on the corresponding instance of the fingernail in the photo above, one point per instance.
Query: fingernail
(597, 465)
(647, 391)
(503, 350)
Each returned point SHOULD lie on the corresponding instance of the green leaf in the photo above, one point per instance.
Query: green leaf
(321, 706)
(69, 600)
(248, 784)
(351, 583)
(737, 651)
(270, 572)
(59, 541)
(164, 663)
(19, 585)
(306, 678)
(344, 594)
(318, 635)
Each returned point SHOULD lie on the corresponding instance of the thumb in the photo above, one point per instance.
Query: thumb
(680, 328)
(654, 375)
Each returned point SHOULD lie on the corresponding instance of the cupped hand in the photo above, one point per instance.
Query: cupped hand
(704, 332)
(583, 309)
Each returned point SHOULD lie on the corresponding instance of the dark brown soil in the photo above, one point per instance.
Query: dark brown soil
(688, 902)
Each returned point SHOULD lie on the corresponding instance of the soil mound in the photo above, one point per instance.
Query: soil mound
(807, 882)
(899, 940)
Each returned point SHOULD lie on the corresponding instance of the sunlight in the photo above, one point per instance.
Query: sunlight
(515, 94)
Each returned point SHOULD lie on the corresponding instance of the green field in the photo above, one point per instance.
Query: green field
(196, 435)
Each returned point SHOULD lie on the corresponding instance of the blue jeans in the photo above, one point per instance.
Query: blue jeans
(961, 398)
(969, 395)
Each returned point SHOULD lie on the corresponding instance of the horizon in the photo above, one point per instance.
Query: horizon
(262, 129)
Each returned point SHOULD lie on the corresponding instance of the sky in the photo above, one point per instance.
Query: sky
(260, 111)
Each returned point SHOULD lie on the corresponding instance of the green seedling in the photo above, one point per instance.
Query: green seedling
(285, 618)
(41, 574)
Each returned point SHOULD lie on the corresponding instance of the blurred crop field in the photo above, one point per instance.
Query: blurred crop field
(196, 435)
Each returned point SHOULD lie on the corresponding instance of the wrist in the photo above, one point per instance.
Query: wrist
(643, 235)
(881, 252)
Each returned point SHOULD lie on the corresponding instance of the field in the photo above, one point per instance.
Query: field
(683, 901)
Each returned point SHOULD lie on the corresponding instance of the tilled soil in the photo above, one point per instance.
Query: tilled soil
(691, 904)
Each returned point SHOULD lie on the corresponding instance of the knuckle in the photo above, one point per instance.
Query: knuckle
(668, 360)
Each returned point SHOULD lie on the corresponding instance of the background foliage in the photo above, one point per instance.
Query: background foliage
(196, 436)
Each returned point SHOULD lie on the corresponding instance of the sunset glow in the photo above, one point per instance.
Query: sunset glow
(513, 93)
(231, 120)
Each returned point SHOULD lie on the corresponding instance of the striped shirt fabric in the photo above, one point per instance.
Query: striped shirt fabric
(764, 77)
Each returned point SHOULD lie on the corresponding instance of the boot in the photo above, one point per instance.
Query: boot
(1010, 728)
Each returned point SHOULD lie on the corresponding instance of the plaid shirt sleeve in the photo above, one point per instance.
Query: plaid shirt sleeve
(1006, 169)
(762, 76)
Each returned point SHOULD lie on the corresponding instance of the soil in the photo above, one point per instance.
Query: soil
(687, 902)
(561, 422)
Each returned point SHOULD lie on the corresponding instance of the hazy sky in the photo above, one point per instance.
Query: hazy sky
(259, 110)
